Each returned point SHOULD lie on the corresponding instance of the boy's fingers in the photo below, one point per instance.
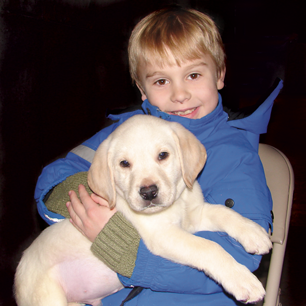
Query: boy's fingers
(71, 211)
(86, 199)
(82, 191)
(74, 218)
(76, 204)
(77, 227)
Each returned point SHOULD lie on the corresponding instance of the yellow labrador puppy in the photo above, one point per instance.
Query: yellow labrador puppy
(147, 168)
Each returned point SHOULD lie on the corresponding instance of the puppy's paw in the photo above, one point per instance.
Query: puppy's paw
(244, 286)
(254, 238)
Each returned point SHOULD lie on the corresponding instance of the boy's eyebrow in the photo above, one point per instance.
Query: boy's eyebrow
(202, 63)
(150, 75)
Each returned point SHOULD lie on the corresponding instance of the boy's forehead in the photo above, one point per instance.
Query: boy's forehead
(168, 58)
(153, 63)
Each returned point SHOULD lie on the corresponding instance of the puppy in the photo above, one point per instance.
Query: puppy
(147, 168)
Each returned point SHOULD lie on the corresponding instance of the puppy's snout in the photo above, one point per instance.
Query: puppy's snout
(148, 193)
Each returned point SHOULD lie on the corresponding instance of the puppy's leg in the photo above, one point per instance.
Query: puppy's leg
(184, 248)
(46, 293)
(252, 236)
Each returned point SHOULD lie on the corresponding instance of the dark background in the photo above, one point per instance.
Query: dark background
(64, 63)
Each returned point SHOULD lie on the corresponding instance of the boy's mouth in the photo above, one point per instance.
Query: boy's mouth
(184, 113)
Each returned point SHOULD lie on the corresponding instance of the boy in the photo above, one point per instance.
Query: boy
(178, 63)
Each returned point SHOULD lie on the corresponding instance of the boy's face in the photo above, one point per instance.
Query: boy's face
(189, 90)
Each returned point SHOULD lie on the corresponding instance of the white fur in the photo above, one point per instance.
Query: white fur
(59, 267)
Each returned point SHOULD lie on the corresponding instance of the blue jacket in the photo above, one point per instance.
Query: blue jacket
(233, 171)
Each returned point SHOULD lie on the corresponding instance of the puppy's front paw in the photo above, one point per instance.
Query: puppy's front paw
(254, 238)
(244, 285)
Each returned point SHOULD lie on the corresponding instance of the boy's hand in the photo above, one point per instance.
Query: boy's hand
(90, 214)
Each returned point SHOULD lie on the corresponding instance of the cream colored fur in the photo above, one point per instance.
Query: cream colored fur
(144, 151)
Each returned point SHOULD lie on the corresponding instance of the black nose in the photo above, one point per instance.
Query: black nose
(149, 193)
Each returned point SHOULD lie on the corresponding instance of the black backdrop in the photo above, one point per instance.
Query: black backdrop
(64, 63)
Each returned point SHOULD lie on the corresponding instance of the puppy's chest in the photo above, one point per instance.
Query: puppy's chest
(175, 215)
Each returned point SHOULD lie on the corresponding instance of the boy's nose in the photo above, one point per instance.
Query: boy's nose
(180, 94)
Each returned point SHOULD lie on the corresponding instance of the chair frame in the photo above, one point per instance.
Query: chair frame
(280, 180)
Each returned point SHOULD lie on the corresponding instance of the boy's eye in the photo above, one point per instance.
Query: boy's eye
(193, 76)
(161, 82)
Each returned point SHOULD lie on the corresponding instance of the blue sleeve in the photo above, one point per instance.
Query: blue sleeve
(58, 171)
(160, 274)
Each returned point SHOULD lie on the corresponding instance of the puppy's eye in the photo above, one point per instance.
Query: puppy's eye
(163, 155)
(124, 164)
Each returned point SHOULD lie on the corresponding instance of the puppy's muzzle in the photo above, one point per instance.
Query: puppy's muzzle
(148, 193)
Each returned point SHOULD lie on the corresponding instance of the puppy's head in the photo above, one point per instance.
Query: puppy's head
(147, 161)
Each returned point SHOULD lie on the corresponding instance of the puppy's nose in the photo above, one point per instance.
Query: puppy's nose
(148, 193)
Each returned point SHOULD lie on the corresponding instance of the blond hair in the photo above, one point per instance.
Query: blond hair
(188, 34)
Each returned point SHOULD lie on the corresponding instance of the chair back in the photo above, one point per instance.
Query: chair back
(280, 180)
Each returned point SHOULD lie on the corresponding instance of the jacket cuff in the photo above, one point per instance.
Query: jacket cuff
(117, 245)
(58, 197)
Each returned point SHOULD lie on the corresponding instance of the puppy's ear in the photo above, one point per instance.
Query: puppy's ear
(192, 154)
(100, 174)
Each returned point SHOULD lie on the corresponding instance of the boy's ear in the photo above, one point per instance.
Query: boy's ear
(220, 81)
(143, 95)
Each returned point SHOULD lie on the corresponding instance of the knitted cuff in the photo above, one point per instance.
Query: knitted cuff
(58, 198)
(117, 245)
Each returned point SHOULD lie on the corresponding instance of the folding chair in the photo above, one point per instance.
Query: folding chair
(280, 179)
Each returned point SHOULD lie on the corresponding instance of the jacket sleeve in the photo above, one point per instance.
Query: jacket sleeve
(77, 160)
(244, 182)
(160, 274)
